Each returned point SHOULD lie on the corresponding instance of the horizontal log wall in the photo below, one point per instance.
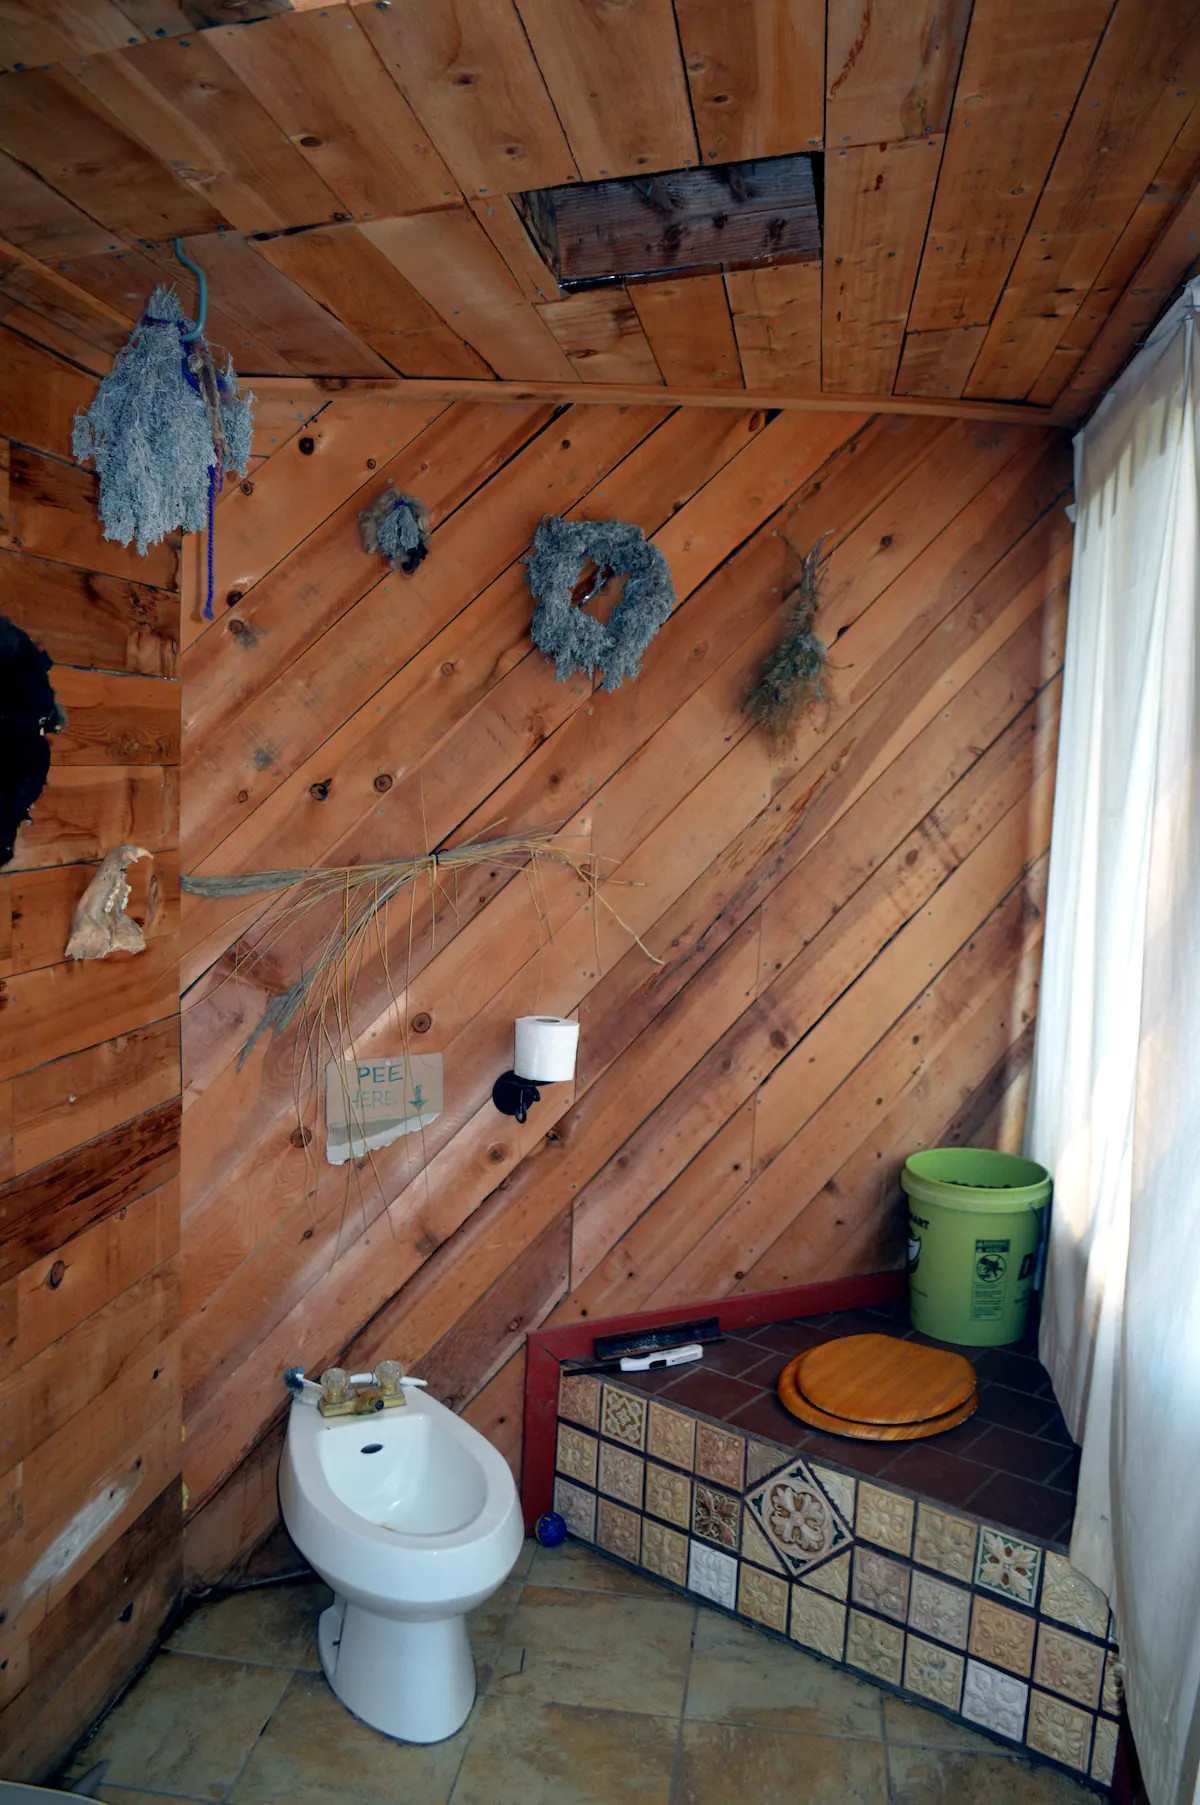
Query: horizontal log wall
(845, 931)
(90, 1399)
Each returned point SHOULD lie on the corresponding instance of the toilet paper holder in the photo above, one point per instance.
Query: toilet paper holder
(544, 1053)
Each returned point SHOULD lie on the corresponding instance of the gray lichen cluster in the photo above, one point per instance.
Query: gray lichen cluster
(150, 433)
(563, 629)
(396, 526)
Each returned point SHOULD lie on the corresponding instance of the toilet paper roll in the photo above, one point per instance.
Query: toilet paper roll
(546, 1046)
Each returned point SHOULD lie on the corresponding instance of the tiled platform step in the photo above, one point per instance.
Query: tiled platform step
(954, 1610)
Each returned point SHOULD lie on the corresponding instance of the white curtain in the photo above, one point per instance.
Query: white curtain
(1115, 1109)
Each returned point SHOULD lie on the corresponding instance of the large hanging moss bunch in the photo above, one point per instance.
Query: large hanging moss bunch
(563, 629)
(792, 678)
(164, 426)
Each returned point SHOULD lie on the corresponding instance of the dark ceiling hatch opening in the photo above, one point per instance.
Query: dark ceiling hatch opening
(679, 222)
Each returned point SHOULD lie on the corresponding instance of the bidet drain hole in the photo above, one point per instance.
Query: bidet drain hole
(372, 1447)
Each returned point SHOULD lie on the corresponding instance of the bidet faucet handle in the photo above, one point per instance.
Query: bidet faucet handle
(335, 1385)
(389, 1376)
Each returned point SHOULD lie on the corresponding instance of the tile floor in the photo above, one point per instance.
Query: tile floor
(596, 1688)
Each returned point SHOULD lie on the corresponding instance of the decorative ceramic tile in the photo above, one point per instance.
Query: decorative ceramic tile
(1104, 1750)
(1111, 1687)
(1001, 1636)
(671, 1436)
(720, 1456)
(664, 1551)
(621, 1474)
(840, 1487)
(885, 1517)
(762, 1458)
(579, 1399)
(800, 1520)
(818, 1622)
(619, 1530)
(577, 1508)
(668, 1494)
(712, 1574)
(1059, 1730)
(831, 1577)
(1007, 1566)
(937, 1608)
(1069, 1597)
(1069, 1665)
(716, 1516)
(881, 1584)
(945, 1542)
(935, 1673)
(994, 1699)
(576, 1456)
(755, 1546)
(763, 1596)
(875, 1646)
(623, 1417)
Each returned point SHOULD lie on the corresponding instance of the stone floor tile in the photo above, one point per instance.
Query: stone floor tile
(723, 1761)
(741, 1676)
(953, 1777)
(273, 1625)
(313, 1752)
(575, 1563)
(550, 1754)
(489, 1624)
(600, 1649)
(187, 1726)
(124, 1795)
(906, 1723)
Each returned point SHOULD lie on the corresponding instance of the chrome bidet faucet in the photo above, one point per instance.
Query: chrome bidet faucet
(353, 1394)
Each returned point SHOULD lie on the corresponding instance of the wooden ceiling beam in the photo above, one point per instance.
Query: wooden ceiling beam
(305, 388)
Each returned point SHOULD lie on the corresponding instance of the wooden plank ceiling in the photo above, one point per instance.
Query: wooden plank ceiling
(848, 927)
(1010, 192)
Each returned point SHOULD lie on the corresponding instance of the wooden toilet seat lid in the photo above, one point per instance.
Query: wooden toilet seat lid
(883, 1380)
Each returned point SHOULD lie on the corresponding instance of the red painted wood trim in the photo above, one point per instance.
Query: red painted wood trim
(548, 1348)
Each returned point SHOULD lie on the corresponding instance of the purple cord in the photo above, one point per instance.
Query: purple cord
(212, 503)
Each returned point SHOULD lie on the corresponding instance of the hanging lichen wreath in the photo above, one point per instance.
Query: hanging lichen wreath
(562, 627)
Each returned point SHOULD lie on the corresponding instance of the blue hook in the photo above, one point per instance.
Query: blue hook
(201, 295)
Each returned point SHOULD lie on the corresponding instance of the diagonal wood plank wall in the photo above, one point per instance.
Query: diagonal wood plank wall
(90, 1411)
(848, 930)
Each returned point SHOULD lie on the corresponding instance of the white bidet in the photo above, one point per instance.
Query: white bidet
(412, 1518)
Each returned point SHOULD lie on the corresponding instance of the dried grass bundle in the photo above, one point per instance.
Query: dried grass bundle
(792, 679)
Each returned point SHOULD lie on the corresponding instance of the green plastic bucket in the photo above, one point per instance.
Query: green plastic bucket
(976, 1219)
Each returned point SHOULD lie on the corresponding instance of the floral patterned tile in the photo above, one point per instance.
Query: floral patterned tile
(885, 1518)
(762, 1458)
(1070, 1597)
(994, 1699)
(576, 1454)
(1002, 1636)
(1104, 1750)
(623, 1417)
(939, 1609)
(945, 1542)
(720, 1456)
(619, 1530)
(671, 1436)
(880, 1583)
(798, 1517)
(1008, 1566)
(579, 1399)
(1069, 1665)
(763, 1596)
(818, 1622)
(668, 1494)
(716, 1516)
(621, 1474)
(831, 1577)
(712, 1574)
(933, 1673)
(875, 1647)
(664, 1551)
(577, 1508)
(1111, 1688)
(1059, 1730)
(839, 1487)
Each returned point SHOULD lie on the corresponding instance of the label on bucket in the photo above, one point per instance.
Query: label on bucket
(987, 1279)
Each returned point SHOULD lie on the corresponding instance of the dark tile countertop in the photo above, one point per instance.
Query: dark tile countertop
(1013, 1461)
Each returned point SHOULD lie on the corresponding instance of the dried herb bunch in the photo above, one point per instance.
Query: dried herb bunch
(792, 679)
